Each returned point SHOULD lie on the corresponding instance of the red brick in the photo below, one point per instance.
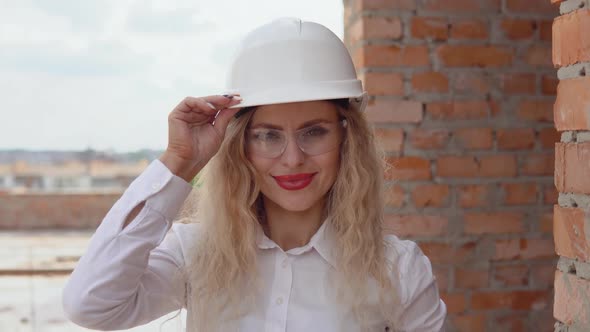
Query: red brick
(485, 166)
(348, 11)
(473, 195)
(394, 196)
(383, 84)
(549, 85)
(538, 164)
(570, 38)
(445, 253)
(428, 139)
(542, 276)
(469, 29)
(474, 56)
(550, 195)
(493, 222)
(546, 223)
(512, 321)
(435, 28)
(546, 30)
(462, 6)
(572, 166)
(518, 29)
(511, 275)
(526, 7)
(408, 168)
(511, 299)
(536, 110)
(431, 195)
(390, 139)
(519, 193)
(385, 4)
(442, 277)
(474, 138)
(572, 107)
(569, 229)
(548, 137)
(469, 322)
(456, 302)
(471, 83)
(512, 249)
(539, 55)
(429, 82)
(519, 83)
(415, 225)
(571, 299)
(516, 139)
(394, 111)
(458, 110)
(375, 27)
(471, 278)
(391, 56)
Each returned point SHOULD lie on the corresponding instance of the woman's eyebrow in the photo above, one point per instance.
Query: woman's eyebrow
(303, 125)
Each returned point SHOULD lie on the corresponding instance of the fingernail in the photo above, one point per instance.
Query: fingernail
(238, 98)
(209, 104)
(228, 96)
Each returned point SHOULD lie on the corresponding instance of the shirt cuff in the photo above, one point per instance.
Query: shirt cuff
(162, 191)
(170, 191)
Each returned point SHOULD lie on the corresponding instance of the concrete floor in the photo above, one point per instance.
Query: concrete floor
(33, 270)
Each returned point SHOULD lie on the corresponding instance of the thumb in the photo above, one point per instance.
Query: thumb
(223, 118)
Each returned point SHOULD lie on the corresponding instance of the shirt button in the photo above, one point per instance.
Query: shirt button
(155, 186)
(279, 301)
(285, 263)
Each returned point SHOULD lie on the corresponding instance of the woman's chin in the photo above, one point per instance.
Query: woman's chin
(295, 206)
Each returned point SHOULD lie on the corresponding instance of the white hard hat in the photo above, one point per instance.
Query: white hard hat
(290, 60)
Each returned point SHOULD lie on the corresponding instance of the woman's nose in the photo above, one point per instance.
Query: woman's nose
(292, 156)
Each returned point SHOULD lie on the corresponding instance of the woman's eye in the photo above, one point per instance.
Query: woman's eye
(268, 136)
(315, 131)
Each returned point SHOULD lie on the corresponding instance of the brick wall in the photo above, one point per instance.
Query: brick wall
(54, 211)
(462, 100)
(571, 54)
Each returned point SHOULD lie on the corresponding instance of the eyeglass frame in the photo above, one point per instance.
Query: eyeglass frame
(343, 124)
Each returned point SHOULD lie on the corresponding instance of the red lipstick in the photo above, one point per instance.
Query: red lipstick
(294, 181)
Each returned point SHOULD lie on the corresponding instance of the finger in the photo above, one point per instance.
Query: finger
(223, 101)
(194, 118)
(192, 104)
(223, 119)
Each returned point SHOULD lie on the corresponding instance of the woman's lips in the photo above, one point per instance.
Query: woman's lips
(294, 181)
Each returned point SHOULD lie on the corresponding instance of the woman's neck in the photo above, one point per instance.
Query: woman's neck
(292, 229)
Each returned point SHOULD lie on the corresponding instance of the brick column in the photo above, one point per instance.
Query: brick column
(462, 94)
(571, 53)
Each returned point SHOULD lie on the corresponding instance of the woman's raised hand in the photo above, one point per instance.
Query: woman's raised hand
(196, 128)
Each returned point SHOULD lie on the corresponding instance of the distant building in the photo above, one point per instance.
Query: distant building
(72, 176)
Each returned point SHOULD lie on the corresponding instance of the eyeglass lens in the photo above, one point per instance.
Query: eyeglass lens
(312, 140)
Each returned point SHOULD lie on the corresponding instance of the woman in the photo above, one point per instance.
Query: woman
(287, 234)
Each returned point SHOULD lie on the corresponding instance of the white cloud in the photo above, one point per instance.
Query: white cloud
(105, 74)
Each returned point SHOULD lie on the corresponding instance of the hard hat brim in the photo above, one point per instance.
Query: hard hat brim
(292, 93)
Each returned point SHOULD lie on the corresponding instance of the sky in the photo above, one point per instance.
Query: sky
(105, 74)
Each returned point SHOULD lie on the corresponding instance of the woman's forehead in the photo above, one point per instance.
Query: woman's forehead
(293, 114)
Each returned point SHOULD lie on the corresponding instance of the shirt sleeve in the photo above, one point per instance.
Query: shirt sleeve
(131, 276)
(423, 310)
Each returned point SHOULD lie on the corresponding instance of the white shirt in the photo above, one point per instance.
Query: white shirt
(125, 278)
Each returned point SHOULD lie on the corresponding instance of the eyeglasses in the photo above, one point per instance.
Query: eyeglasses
(313, 140)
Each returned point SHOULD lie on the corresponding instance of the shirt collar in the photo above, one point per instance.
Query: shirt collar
(322, 241)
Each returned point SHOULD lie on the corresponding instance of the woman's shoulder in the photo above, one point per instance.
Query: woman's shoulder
(401, 250)
(414, 270)
(186, 232)
(182, 237)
